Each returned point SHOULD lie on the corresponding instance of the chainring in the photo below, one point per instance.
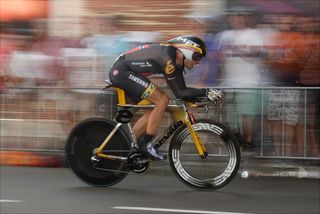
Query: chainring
(138, 162)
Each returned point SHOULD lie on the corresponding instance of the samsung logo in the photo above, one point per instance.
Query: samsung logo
(139, 81)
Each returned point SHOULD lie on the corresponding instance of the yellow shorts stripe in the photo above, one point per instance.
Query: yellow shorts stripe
(148, 91)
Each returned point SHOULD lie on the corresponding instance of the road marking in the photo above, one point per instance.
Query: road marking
(9, 201)
(174, 210)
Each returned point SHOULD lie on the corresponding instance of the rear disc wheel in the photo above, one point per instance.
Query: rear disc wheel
(84, 139)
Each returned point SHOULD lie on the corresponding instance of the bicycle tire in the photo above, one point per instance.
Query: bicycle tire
(217, 169)
(87, 136)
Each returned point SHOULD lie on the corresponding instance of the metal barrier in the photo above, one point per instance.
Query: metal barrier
(284, 121)
(39, 119)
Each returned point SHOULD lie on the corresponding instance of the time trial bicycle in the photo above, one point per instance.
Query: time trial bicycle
(203, 154)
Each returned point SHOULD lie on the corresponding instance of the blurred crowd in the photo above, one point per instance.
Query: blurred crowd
(247, 51)
(273, 50)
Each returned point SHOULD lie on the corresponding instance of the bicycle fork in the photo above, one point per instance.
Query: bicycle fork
(188, 119)
(196, 139)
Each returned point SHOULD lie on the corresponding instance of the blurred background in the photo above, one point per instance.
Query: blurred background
(264, 54)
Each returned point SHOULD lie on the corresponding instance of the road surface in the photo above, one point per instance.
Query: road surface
(57, 190)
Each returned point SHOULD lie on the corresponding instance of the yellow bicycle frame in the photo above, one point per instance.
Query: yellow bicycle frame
(178, 113)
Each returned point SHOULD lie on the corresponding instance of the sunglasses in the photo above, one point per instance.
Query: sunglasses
(196, 56)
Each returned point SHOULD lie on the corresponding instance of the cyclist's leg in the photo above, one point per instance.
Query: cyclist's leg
(141, 125)
(139, 88)
(161, 101)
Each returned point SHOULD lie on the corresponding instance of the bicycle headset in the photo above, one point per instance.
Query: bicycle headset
(192, 47)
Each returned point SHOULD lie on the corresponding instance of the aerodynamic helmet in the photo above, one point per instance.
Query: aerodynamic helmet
(192, 47)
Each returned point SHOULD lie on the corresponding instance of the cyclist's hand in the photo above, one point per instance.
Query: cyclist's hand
(214, 94)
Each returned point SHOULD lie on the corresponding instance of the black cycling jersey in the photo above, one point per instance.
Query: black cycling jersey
(130, 69)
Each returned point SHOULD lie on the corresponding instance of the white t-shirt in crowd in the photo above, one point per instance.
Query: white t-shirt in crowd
(31, 66)
(241, 69)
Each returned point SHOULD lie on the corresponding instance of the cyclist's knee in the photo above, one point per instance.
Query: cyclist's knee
(163, 100)
(159, 98)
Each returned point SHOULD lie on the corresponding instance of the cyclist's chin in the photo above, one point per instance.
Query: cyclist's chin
(189, 66)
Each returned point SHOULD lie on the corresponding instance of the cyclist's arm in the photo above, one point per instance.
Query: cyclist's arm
(177, 84)
(174, 75)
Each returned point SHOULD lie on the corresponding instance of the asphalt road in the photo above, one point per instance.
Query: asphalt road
(57, 190)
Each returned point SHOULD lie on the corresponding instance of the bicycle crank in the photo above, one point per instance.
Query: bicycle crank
(137, 162)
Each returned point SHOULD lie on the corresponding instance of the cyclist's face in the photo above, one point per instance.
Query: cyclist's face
(190, 63)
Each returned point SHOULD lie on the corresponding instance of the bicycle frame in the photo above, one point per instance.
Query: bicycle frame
(179, 114)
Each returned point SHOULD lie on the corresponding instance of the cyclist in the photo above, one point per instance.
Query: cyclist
(129, 73)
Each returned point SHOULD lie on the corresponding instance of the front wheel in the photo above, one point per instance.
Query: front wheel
(212, 172)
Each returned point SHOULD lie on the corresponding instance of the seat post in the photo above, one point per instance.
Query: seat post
(121, 96)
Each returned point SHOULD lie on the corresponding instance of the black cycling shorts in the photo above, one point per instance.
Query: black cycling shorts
(136, 86)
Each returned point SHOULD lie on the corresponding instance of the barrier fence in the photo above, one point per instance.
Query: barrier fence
(280, 122)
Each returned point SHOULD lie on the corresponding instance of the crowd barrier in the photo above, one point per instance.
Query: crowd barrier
(39, 119)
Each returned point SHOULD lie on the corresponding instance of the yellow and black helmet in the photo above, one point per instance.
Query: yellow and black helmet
(192, 47)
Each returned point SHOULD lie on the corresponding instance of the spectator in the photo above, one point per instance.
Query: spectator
(266, 27)
(19, 66)
(6, 48)
(206, 73)
(241, 67)
(285, 60)
(81, 65)
(310, 77)
(86, 66)
(50, 46)
(108, 42)
(46, 50)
